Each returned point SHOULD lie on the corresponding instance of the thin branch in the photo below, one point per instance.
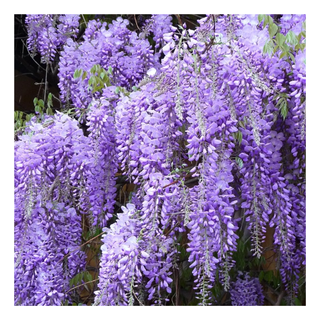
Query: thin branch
(279, 298)
(82, 284)
(135, 19)
(50, 192)
(179, 19)
(141, 304)
(32, 56)
(68, 254)
(46, 85)
(84, 20)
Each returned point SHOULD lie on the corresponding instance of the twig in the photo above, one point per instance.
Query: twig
(32, 56)
(172, 228)
(170, 184)
(50, 193)
(179, 19)
(46, 84)
(68, 254)
(135, 19)
(279, 298)
(141, 304)
(82, 284)
(85, 22)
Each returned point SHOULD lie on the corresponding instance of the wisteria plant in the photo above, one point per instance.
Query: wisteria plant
(206, 122)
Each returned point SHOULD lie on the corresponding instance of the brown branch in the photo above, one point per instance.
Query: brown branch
(50, 192)
(185, 181)
(172, 228)
(135, 19)
(170, 184)
(279, 298)
(179, 19)
(81, 246)
(141, 304)
(82, 284)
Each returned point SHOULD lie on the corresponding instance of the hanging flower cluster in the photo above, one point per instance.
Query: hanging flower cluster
(102, 164)
(114, 47)
(209, 129)
(246, 291)
(48, 159)
(47, 33)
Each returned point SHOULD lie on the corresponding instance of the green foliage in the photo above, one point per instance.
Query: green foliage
(286, 45)
(239, 162)
(99, 78)
(91, 234)
(40, 108)
(80, 278)
(241, 255)
(39, 105)
(20, 120)
(273, 28)
(268, 47)
(238, 136)
(282, 104)
(271, 278)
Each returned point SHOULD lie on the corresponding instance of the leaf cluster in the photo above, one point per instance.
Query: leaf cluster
(286, 45)
(99, 78)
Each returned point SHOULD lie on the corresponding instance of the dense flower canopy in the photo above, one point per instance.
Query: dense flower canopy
(207, 123)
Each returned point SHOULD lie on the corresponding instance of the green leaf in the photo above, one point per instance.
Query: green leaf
(297, 302)
(279, 102)
(292, 38)
(239, 162)
(284, 109)
(273, 28)
(102, 75)
(268, 47)
(95, 68)
(280, 39)
(84, 75)
(275, 49)
(261, 17)
(241, 124)
(283, 54)
(77, 73)
(92, 81)
(268, 276)
(35, 101)
(49, 100)
(239, 136)
(292, 57)
(110, 70)
(41, 103)
(88, 276)
(49, 111)
(267, 20)
(261, 276)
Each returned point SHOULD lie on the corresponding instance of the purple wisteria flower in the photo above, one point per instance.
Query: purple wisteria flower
(209, 130)
(246, 291)
(47, 226)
